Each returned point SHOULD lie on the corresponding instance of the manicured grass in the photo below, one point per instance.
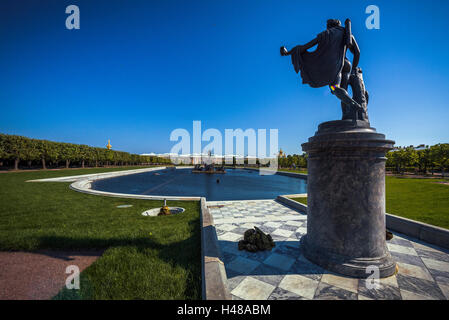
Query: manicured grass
(145, 257)
(418, 199)
(303, 200)
(423, 200)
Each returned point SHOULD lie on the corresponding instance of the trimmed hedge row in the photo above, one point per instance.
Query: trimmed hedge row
(14, 149)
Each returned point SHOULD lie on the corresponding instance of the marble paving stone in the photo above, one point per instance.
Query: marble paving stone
(429, 247)
(276, 238)
(445, 289)
(407, 295)
(220, 232)
(231, 236)
(266, 229)
(435, 255)
(242, 265)
(292, 242)
(259, 256)
(423, 268)
(248, 225)
(289, 228)
(308, 270)
(253, 289)
(346, 283)
(234, 282)
(231, 273)
(240, 231)
(440, 276)
(273, 224)
(300, 285)
(268, 274)
(414, 271)
(409, 259)
(389, 281)
(281, 294)
(225, 227)
(326, 291)
(402, 249)
(401, 242)
(294, 223)
(384, 292)
(227, 257)
(279, 261)
(435, 264)
(420, 286)
(230, 247)
(284, 249)
(282, 233)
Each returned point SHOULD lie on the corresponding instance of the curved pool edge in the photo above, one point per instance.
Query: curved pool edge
(84, 186)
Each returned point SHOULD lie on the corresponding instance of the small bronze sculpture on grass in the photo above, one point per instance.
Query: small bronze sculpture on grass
(165, 210)
(256, 240)
(328, 66)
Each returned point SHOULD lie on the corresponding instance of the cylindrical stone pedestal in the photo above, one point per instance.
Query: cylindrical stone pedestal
(346, 199)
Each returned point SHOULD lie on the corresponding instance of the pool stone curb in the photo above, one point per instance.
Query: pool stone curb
(84, 185)
(214, 280)
(292, 203)
(281, 173)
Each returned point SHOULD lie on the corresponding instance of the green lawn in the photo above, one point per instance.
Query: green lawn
(423, 200)
(294, 170)
(418, 199)
(303, 200)
(144, 258)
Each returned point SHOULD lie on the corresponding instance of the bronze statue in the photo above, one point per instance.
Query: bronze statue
(328, 66)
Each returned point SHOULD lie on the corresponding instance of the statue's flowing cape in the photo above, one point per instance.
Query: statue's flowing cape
(321, 67)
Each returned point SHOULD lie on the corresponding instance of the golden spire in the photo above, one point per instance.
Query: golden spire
(109, 145)
(281, 154)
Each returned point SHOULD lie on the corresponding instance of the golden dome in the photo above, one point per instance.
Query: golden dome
(281, 154)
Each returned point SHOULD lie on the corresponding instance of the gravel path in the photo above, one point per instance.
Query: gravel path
(38, 275)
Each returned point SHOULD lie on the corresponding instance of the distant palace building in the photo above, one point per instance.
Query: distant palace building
(199, 158)
(417, 148)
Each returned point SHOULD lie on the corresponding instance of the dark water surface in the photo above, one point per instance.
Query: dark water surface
(235, 184)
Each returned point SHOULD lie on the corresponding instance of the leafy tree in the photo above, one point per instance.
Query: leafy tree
(440, 156)
(423, 159)
(15, 147)
(3, 152)
(68, 153)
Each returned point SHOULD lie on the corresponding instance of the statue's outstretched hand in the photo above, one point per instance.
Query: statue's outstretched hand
(284, 51)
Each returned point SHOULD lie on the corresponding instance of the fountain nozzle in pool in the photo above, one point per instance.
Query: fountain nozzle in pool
(165, 210)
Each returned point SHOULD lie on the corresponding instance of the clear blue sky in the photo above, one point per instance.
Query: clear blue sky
(136, 70)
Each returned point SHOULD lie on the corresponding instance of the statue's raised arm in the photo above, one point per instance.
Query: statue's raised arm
(327, 65)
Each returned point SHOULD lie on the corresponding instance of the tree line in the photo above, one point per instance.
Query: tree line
(293, 161)
(428, 159)
(15, 150)
(422, 161)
